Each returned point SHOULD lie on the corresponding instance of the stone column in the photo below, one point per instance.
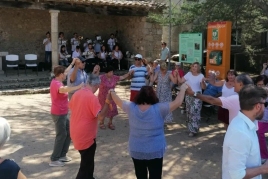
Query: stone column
(54, 37)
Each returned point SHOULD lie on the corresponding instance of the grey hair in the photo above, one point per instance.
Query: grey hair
(244, 79)
(4, 131)
(93, 80)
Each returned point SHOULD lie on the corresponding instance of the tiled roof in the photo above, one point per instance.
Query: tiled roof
(120, 3)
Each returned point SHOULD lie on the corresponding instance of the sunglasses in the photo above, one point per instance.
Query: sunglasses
(265, 103)
(139, 59)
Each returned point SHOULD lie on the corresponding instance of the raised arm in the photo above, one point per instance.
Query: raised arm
(74, 73)
(70, 66)
(181, 80)
(179, 99)
(67, 89)
(118, 101)
(126, 75)
(174, 79)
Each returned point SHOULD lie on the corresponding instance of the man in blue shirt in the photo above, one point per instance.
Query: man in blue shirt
(164, 52)
(211, 89)
(77, 75)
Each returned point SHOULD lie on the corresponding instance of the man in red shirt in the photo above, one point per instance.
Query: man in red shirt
(59, 111)
(85, 113)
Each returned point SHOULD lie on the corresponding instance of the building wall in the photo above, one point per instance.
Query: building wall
(22, 30)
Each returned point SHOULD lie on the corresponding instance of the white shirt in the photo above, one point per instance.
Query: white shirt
(194, 81)
(227, 91)
(74, 43)
(47, 46)
(240, 148)
(76, 54)
(232, 104)
(111, 43)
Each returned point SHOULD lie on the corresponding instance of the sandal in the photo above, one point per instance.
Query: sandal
(102, 126)
(111, 126)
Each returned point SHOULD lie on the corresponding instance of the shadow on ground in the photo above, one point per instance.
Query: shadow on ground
(33, 137)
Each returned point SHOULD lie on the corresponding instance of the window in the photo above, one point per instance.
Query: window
(236, 37)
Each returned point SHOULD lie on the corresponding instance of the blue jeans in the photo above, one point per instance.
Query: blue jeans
(62, 140)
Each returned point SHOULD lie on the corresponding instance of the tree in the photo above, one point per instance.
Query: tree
(244, 14)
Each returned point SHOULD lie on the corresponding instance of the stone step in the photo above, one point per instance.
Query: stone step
(25, 84)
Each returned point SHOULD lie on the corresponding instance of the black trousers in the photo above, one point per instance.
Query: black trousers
(154, 166)
(86, 169)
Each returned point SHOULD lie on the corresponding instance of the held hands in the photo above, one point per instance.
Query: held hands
(74, 61)
(189, 91)
(184, 87)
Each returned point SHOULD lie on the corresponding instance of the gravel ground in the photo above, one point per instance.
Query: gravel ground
(33, 137)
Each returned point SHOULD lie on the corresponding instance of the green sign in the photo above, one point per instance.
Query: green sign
(215, 34)
(191, 47)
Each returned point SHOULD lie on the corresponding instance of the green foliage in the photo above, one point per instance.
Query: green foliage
(244, 14)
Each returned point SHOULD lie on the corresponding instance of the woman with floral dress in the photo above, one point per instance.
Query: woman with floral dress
(163, 90)
(108, 81)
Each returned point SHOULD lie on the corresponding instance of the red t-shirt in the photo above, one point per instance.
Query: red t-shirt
(181, 73)
(84, 107)
(59, 101)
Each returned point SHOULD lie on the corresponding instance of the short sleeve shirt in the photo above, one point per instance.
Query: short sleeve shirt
(9, 169)
(59, 101)
(81, 77)
(232, 104)
(138, 79)
(84, 107)
(194, 81)
(164, 53)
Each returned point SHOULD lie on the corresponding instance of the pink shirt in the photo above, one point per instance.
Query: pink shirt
(59, 101)
(84, 107)
(232, 104)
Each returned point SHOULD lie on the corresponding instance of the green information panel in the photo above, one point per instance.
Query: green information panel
(191, 47)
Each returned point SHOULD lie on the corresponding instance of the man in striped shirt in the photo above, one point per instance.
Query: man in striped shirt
(139, 76)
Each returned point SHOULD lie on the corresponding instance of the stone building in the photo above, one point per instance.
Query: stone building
(24, 23)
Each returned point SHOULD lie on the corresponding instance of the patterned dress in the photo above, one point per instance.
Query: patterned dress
(105, 85)
(164, 93)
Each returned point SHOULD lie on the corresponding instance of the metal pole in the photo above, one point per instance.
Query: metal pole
(169, 55)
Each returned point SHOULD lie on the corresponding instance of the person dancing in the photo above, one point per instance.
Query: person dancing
(108, 81)
(227, 90)
(163, 89)
(147, 142)
(195, 79)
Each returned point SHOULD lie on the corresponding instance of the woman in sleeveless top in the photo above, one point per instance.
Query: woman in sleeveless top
(227, 90)
(264, 70)
(8, 168)
(163, 89)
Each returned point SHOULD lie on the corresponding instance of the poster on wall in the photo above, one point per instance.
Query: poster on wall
(191, 47)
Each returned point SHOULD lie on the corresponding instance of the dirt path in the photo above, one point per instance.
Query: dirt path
(33, 137)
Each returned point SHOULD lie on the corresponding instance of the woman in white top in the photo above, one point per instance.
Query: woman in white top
(103, 53)
(102, 56)
(62, 40)
(90, 52)
(195, 79)
(264, 70)
(63, 59)
(116, 57)
(227, 90)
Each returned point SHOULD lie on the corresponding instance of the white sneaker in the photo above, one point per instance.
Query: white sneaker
(56, 163)
(65, 159)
